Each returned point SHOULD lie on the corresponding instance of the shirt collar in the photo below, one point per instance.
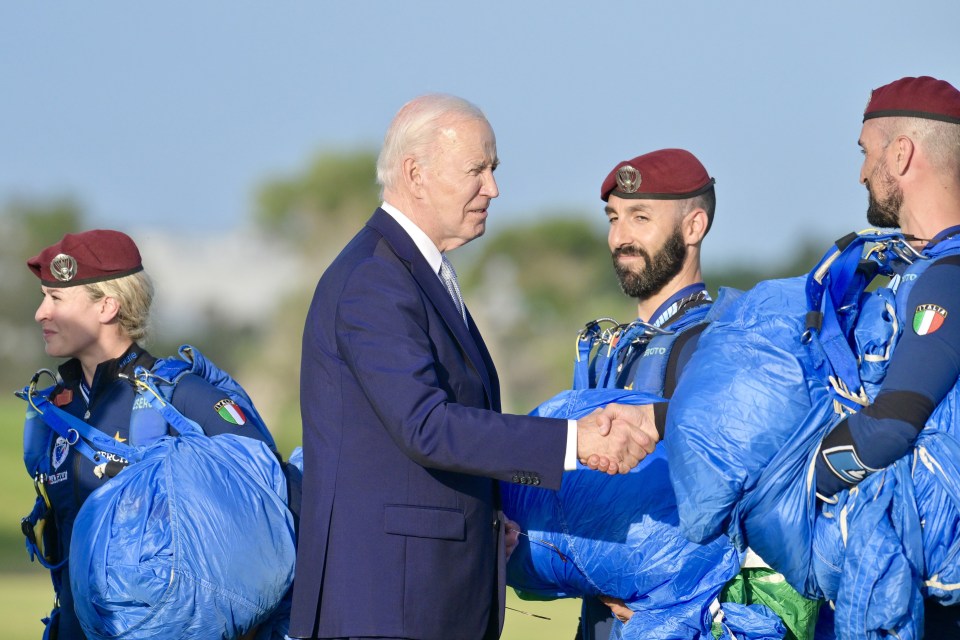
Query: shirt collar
(72, 374)
(943, 235)
(429, 250)
(672, 305)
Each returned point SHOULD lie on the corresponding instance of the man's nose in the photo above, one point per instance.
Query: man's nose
(489, 188)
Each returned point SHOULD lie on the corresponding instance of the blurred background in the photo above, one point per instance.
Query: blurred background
(236, 143)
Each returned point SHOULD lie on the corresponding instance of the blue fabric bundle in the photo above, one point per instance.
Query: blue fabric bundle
(193, 541)
(743, 429)
(743, 426)
(618, 536)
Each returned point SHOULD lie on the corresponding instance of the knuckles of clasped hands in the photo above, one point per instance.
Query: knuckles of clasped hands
(615, 438)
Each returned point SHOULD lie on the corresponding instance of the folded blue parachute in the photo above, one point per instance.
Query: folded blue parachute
(162, 550)
(192, 538)
(769, 379)
(619, 536)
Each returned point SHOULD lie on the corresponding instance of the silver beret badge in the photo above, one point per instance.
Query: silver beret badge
(628, 179)
(63, 267)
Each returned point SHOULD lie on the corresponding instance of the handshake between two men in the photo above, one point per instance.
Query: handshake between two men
(616, 438)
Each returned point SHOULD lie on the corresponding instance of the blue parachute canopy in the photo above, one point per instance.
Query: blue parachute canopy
(743, 429)
(619, 536)
(193, 541)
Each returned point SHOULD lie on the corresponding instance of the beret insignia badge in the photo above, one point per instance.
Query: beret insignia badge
(628, 179)
(63, 267)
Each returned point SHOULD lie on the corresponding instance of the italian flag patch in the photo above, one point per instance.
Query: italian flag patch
(928, 318)
(230, 412)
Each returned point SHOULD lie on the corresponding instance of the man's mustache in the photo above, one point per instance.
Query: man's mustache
(630, 250)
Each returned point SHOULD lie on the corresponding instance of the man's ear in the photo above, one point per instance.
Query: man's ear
(904, 148)
(411, 172)
(694, 226)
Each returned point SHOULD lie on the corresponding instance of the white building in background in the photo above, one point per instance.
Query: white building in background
(236, 276)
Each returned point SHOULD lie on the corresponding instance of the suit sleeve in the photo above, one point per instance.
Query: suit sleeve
(413, 375)
(923, 368)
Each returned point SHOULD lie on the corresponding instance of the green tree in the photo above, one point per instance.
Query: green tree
(319, 206)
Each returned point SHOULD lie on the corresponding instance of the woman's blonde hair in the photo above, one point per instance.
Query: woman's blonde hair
(134, 293)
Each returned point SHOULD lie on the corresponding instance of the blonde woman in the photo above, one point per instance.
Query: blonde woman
(94, 313)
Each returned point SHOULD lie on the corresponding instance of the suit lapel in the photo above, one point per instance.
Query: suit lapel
(469, 339)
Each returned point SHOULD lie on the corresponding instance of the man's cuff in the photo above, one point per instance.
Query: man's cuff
(570, 457)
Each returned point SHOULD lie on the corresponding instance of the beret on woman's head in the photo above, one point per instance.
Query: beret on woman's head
(87, 257)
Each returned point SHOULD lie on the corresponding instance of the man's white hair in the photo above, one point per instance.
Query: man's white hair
(415, 128)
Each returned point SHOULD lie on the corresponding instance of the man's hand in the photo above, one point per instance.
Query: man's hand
(618, 607)
(511, 536)
(616, 438)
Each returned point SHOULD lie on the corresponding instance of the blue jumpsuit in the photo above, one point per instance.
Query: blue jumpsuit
(924, 367)
(107, 405)
(596, 621)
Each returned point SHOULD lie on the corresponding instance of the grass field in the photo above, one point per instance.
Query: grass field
(26, 595)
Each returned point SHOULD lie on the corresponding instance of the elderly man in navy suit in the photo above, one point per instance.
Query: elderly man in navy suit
(401, 534)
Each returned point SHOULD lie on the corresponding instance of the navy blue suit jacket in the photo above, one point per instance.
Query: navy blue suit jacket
(400, 533)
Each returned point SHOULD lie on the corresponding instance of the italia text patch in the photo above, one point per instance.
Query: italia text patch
(231, 412)
(928, 318)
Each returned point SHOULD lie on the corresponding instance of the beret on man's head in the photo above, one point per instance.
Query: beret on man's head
(922, 97)
(85, 258)
(667, 174)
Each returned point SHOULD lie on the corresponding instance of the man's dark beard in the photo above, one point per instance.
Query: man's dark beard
(886, 212)
(657, 272)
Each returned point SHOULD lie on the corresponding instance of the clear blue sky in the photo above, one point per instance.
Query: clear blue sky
(169, 114)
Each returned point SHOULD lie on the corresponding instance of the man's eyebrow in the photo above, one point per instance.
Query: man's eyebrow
(630, 208)
(480, 165)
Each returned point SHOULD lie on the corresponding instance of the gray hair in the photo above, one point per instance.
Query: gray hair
(415, 128)
(134, 293)
(706, 201)
(939, 140)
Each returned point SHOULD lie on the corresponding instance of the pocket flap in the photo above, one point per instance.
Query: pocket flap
(424, 522)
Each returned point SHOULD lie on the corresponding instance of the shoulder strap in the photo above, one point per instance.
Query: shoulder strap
(166, 373)
(148, 391)
(653, 372)
(85, 438)
(833, 292)
(595, 344)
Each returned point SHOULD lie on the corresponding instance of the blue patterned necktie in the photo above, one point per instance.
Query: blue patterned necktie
(449, 277)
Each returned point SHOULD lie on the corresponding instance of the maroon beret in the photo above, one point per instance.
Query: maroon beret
(83, 258)
(667, 174)
(923, 97)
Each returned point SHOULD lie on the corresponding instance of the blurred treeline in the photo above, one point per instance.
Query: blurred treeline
(530, 285)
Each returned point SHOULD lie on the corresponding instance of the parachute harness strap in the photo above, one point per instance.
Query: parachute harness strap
(602, 331)
(30, 392)
(842, 390)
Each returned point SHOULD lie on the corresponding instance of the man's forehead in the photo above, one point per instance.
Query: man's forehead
(868, 131)
(618, 204)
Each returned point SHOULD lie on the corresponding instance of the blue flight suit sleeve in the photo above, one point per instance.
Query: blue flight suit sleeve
(923, 368)
(211, 408)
